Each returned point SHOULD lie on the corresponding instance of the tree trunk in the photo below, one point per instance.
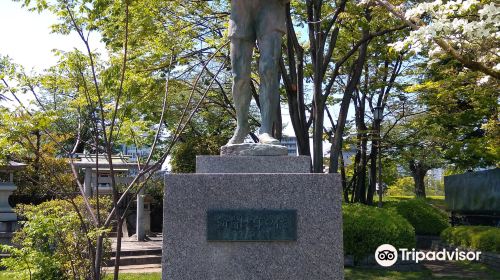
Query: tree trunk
(419, 184)
(418, 172)
(319, 114)
(361, 182)
(354, 180)
(373, 175)
(278, 124)
(344, 179)
(119, 232)
(373, 165)
(98, 257)
(344, 108)
(294, 85)
(362, 143)
(360, 190)
(359, 101)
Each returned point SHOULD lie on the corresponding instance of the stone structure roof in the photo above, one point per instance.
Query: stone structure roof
(12, 166)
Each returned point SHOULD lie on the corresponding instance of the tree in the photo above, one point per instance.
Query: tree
(417, 145)
(99, 96)
(323, 39)
(51, 244)
(163, 79)
(451, 121)
(205, 135)
(382, 82)
(24, 138)
(464, 111)
(339, 33)
(465, 30)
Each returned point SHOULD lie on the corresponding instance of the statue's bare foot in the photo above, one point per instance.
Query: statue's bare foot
(239, 135)
(266, 138)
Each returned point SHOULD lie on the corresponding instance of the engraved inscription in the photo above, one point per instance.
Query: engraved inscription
(251, 225)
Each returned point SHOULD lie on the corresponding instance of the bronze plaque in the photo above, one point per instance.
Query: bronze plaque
(251, 225)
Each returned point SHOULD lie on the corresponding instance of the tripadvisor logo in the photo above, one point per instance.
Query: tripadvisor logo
(387, 255)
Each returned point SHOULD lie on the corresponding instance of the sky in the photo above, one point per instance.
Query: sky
(26, 38)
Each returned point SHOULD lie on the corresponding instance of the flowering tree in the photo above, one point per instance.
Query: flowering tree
(468, 30)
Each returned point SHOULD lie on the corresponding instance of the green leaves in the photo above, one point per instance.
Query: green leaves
(481, 238)
(52, 243)
(426, 219)
(367, 227)
(461, 114)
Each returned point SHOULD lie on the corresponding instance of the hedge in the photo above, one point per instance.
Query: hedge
(426, 219)
(366, 228)
(481, 238)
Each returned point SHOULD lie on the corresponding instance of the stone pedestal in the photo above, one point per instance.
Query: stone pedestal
(314, 252)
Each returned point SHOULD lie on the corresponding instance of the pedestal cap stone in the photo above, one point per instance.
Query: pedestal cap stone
(253, 164)
(253, 149)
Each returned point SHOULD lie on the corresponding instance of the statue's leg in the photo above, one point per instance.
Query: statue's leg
(241, 59)
(270, 51)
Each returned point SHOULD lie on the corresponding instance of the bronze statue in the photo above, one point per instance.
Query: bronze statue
(263, 21)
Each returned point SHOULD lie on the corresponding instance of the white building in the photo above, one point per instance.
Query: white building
(134, 152)
(290, 142)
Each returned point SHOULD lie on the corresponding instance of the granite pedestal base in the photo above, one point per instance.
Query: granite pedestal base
(317, 252)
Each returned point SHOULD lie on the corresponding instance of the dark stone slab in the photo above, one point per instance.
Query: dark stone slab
(474, 192)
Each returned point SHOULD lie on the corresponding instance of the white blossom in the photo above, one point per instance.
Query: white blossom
(469, 25)
(483, 80)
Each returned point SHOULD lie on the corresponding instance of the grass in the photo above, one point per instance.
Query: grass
(350, 274)
(381, 274)
(359, 273)
(128, 276)
(378, 274)
(136, 276)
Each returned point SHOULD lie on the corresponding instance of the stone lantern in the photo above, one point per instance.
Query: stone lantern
(8, 218)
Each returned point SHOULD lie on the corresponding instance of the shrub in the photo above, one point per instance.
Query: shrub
(366, 228)
(426, 219)
(51, 244)
(475, 237)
